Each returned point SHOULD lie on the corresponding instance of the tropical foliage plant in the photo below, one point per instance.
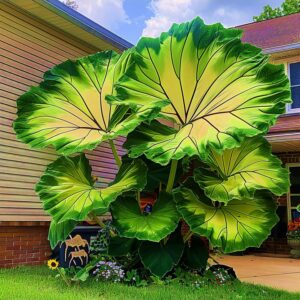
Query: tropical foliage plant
(194, 105)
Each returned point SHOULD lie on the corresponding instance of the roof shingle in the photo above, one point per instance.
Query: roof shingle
(274, 32)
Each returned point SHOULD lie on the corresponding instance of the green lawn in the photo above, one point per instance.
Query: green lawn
(39, 283)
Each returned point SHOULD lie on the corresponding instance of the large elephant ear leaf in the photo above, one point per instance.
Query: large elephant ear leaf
(120, 246)
(69, 109)
(239, 172)
(58, 232)
(196, 253)
(220, 89)
(160, 258)
(131, 222)
(234, 227)
(68, 192)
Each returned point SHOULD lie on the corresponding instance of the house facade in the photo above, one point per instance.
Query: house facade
(35, 36)
(38, 34)
(280, 38)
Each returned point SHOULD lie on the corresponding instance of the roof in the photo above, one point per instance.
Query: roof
(274, 35)
(59, 15)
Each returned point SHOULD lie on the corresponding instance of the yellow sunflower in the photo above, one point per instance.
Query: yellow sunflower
(53, 264)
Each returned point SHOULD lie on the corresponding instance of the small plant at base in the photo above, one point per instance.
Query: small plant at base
(53, 264)
(222, 276)
(133, 278)
(108, 271)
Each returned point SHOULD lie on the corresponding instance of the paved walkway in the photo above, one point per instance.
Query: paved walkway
(280, 273)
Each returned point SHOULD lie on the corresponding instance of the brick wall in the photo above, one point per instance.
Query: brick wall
(289, 157)
(23, 243)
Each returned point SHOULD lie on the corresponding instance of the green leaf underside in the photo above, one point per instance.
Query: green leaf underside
(235, 227)
(158, 258)
(120, 246)
(58, 232)
(84, 273)
(196, 254)
(239, 172)
(68, 193)
(220, 89)
(132, 223)
(69, 109)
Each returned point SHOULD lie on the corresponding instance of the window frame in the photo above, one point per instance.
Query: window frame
(288, 202)
(289, 109)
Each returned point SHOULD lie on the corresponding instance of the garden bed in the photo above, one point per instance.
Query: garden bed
(39, 283)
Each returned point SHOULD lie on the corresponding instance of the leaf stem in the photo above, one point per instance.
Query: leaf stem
(187, 236)
(115, 153)
(100, 222)
(96, 219)
(138, 196)
(63, 276)
(172, 175)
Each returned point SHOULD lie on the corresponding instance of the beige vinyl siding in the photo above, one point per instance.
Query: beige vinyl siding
(28, 48)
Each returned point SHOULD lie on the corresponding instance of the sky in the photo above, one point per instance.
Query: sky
(131, 19)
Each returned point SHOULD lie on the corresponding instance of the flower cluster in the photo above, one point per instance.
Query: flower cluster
(109, 271)
(293, 230)
(222, 276)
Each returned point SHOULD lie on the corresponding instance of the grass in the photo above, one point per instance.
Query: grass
(34, 283)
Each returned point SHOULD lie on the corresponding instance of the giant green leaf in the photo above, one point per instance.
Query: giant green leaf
(68, 193)
(160, 258)
(196, 254)
(220, 90)
(131, 222)
(235, 227)
(239, 172)
(58, 232)
(68, 109)
(120, 246)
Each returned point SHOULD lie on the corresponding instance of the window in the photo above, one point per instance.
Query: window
(294, 195)
(294, 74)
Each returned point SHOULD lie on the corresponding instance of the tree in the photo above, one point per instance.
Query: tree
(287, 7)
(222, 96)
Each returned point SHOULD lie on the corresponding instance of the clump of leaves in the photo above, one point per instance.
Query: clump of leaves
(193, 105)
(134, 278)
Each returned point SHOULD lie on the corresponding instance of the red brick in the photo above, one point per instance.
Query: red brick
(21, 245)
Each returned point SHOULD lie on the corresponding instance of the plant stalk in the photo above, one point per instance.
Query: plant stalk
(65, 279)
(172, 176)
(100, 222)
(115, 153)
(187, 236)
(138, 196)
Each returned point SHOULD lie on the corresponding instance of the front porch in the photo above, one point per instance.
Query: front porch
(284, 138)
